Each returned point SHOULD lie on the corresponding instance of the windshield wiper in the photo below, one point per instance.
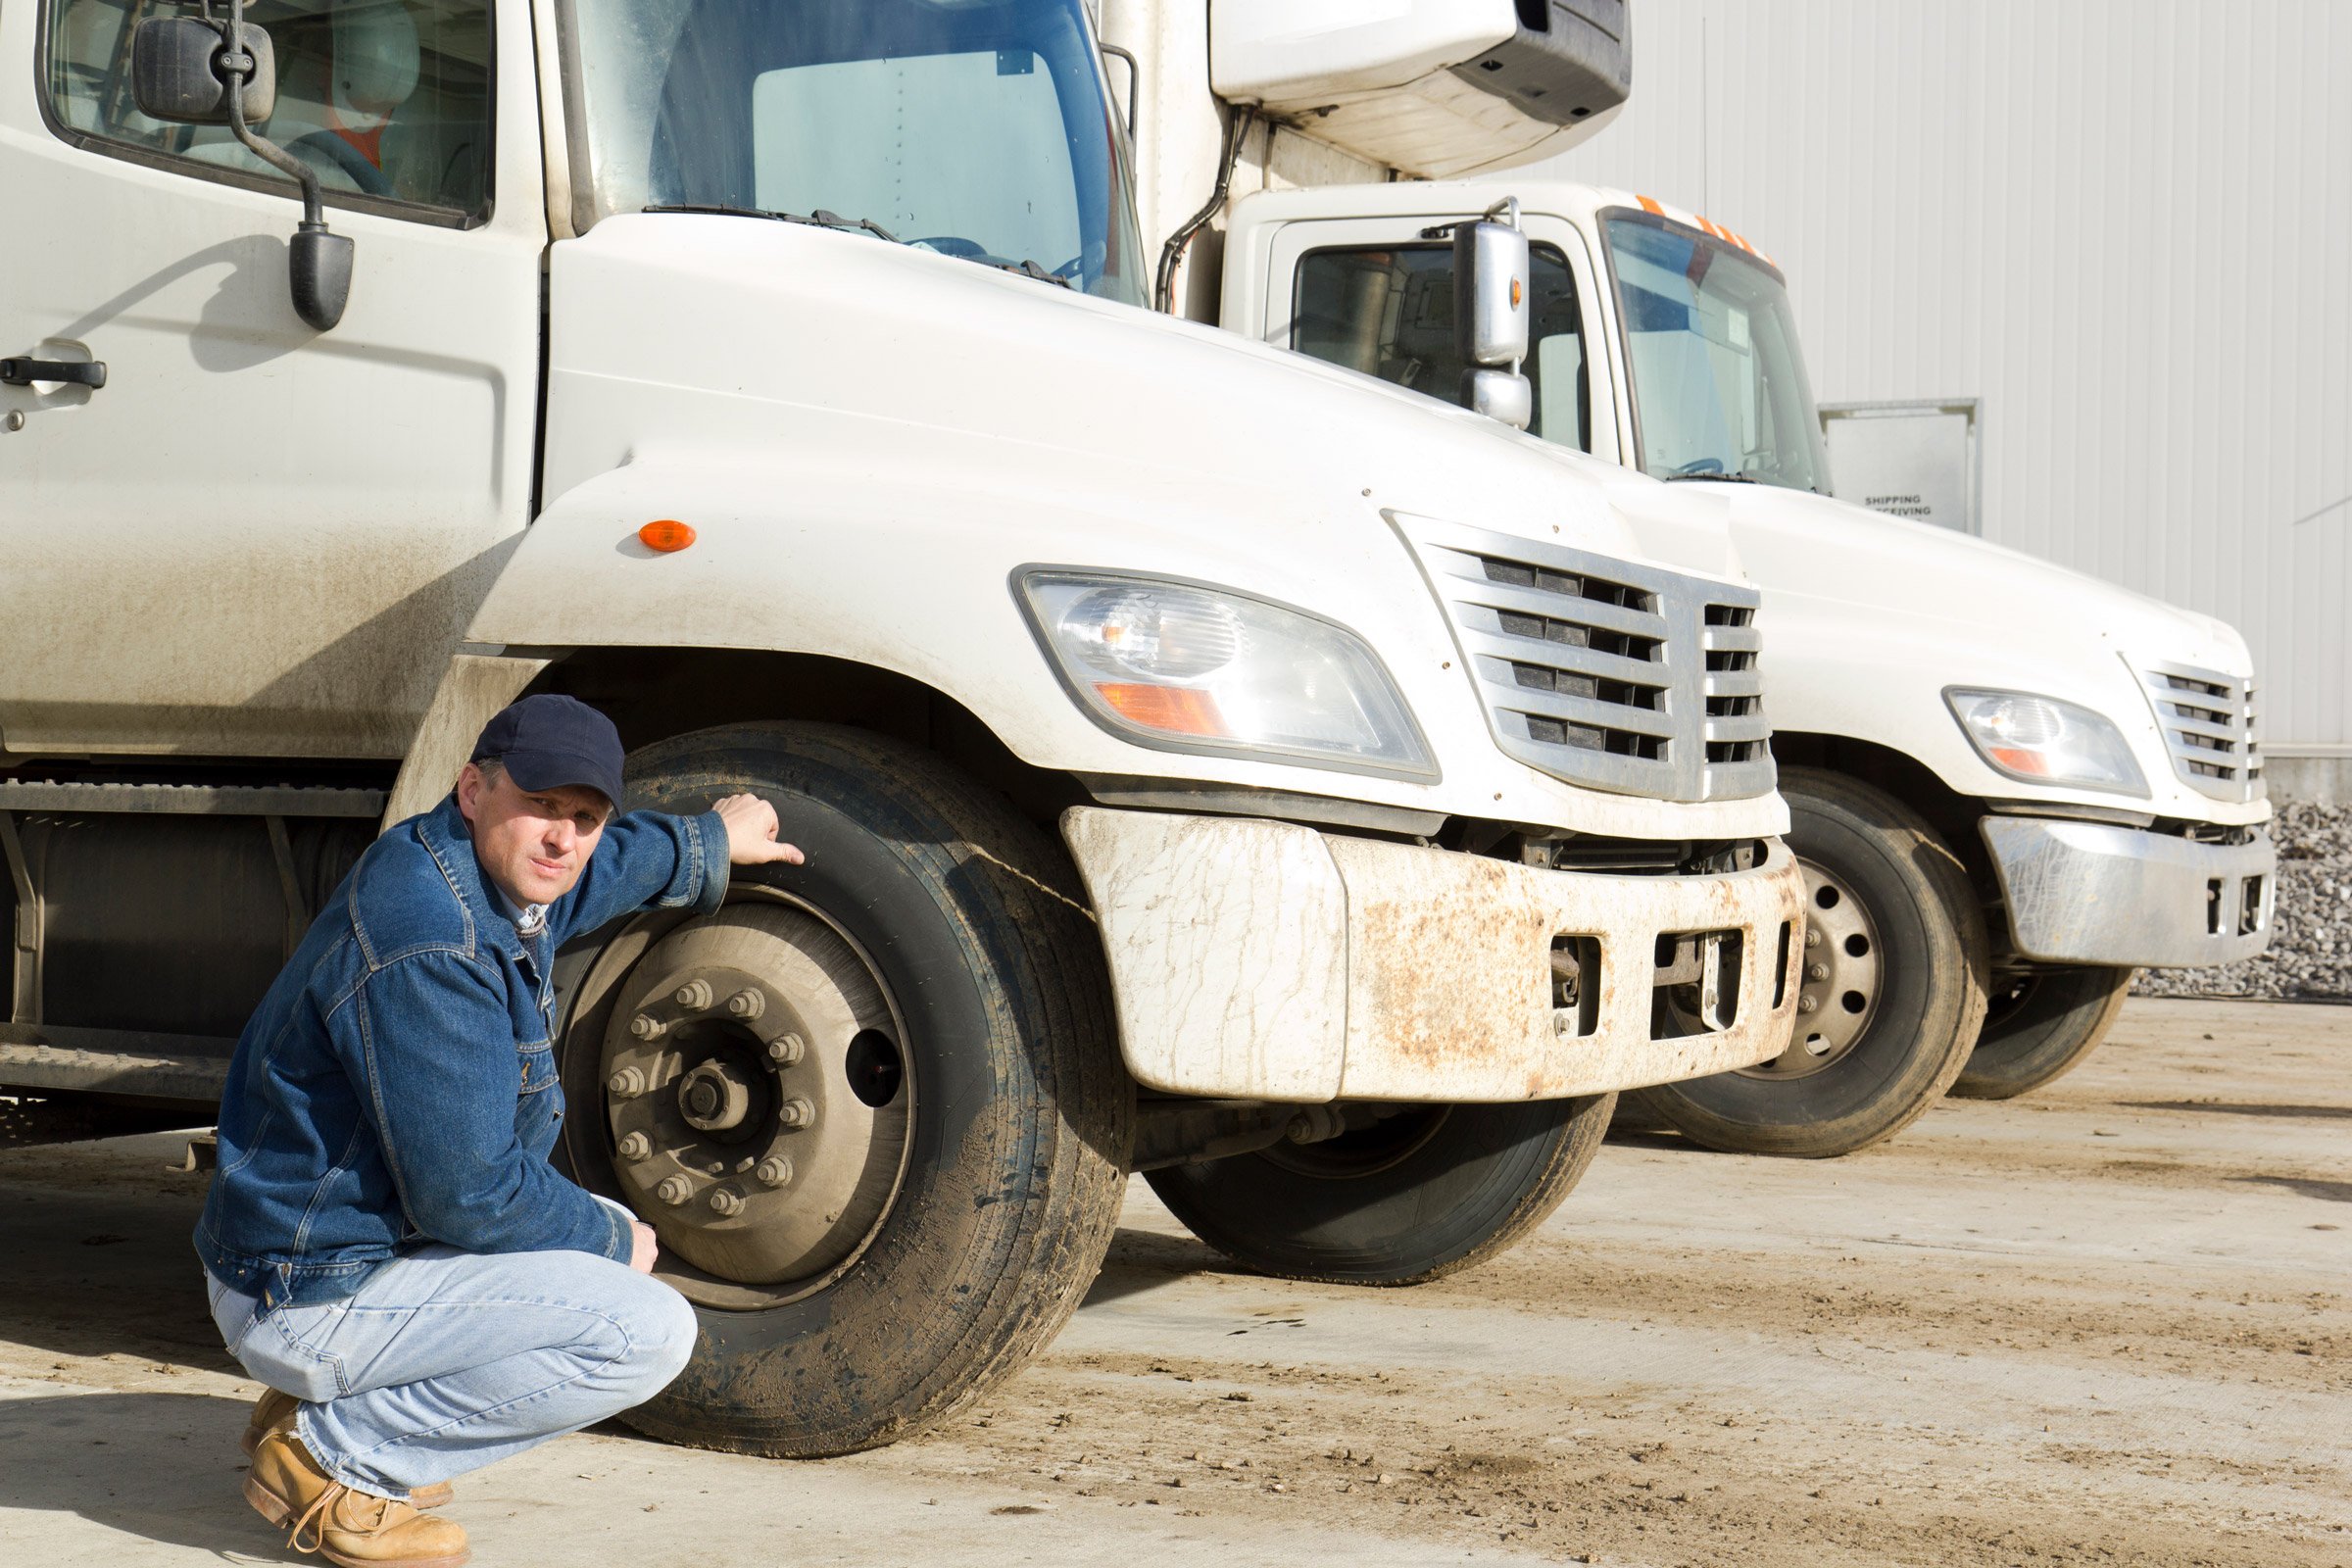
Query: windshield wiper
(1741, 478)
(820, 219)
(1030, 269)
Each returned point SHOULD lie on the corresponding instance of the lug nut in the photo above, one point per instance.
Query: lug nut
(786, 1050)
(1807, 1004)
(1817, 971)
(644, 1026)
(775, 1171)
(635, 1147)
(694, 996)
(796, 1112)
(626, 1084)
(1812, 937)
(726, 1200)
(747, 1005)
(674, 1190)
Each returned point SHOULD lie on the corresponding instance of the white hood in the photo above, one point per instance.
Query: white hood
(874, 438)
(1868, 618)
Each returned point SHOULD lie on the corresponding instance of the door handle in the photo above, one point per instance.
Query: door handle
(75, 373)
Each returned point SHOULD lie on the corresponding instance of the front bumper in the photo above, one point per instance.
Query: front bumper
(2094, 892)
(1266, 960)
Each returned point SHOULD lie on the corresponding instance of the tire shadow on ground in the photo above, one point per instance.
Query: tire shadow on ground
(1144, 1260)
(164, 1467)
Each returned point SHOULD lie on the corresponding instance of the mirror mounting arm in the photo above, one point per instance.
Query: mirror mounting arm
(318, 261)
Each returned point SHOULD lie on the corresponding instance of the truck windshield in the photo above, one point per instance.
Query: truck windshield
(980, 128)
(1719, 388)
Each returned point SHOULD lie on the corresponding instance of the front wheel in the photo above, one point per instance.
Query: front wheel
(872, 1106)
(1895, 967)
(2039, 1026)
(1415, 1193)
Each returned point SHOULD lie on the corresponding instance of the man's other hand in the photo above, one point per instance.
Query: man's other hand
(751, 832)
(642, 1248)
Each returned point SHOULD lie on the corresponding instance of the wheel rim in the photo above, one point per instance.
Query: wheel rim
(1839, 994)
(756, 1093)
(2009, 996)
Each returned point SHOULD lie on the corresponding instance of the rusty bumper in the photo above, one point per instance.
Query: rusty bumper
(1267, 960)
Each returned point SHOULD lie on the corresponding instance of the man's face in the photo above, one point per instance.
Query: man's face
(533, 844)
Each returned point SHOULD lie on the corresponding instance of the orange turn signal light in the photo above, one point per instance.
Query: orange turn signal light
(664, 535)
(1175, 709)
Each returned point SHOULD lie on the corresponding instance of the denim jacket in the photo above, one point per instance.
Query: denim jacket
(397, 1085)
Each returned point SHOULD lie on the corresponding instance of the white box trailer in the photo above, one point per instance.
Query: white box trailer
(774, 376)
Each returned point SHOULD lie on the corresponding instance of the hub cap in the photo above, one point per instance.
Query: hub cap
(755, 1095)
(1837, 994)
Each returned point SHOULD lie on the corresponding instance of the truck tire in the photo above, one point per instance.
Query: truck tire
(1896, 963)
(2037, 1026)
(1410, 1199)
(878, 1118)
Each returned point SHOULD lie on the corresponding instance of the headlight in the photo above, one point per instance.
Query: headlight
(1190, 668)
(2044, 741)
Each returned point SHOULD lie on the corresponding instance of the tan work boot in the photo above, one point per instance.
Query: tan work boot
(351, 1528)
(274, 1408)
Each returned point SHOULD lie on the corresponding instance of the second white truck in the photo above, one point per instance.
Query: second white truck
(2010, 784)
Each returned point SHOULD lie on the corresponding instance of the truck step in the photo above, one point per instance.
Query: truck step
(113, 1061)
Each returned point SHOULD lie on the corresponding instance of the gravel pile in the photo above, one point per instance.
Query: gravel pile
(2310, 932)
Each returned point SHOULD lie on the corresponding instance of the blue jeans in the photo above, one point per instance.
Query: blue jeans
(446, 1361)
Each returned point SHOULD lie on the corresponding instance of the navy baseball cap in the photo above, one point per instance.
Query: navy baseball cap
(547, 742)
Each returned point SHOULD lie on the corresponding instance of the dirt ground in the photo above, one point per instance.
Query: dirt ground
(2108, 1324)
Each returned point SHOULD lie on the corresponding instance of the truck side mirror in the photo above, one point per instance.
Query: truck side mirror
(175, 75)
(184, 70)
(1491, 315)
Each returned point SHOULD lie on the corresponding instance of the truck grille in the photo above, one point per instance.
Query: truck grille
(2208, 724)
(1605, 673)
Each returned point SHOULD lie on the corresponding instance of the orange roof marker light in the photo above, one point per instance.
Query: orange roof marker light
(1650, 207)
(665, 535)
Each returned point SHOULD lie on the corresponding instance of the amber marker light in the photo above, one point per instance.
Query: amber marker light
(665, 535)
(1175, 709)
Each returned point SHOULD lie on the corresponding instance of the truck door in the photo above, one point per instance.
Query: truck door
(256, 539)
(1376, 294)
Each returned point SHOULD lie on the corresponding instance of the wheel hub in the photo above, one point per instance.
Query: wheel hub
(1837, 994)
(741, 1067)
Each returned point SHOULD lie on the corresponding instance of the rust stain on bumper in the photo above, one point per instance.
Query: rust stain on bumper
(1271, 960)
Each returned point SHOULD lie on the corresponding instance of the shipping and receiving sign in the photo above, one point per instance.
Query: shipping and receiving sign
(1908, 460)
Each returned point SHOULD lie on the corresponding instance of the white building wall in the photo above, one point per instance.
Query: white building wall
(2126, 226)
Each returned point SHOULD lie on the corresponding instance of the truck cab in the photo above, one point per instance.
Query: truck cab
(2011, 784)
(1209, 763)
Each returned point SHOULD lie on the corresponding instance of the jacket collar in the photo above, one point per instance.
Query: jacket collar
(450, 842)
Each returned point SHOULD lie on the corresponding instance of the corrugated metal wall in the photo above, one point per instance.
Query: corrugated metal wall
(2126, 226)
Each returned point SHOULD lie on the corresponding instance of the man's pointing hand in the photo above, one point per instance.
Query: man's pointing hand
(752, 833)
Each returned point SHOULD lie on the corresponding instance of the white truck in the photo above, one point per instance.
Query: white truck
(1209, 762)
(2010, 784)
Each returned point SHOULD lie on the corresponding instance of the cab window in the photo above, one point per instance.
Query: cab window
(1388, 311)
(387, 99)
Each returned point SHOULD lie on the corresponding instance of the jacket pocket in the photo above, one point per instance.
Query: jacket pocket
(538, 1070)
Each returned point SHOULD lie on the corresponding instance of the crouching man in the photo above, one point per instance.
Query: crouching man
(385, 1243)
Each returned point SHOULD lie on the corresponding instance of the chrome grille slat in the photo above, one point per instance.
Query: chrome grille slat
(1735, 640)
(2208, 722)
(1743, 728)
(1610, 674)
(1504, 597)
(1585, 711)
(2179, 725)
(1735, 683)
(1566, 655)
